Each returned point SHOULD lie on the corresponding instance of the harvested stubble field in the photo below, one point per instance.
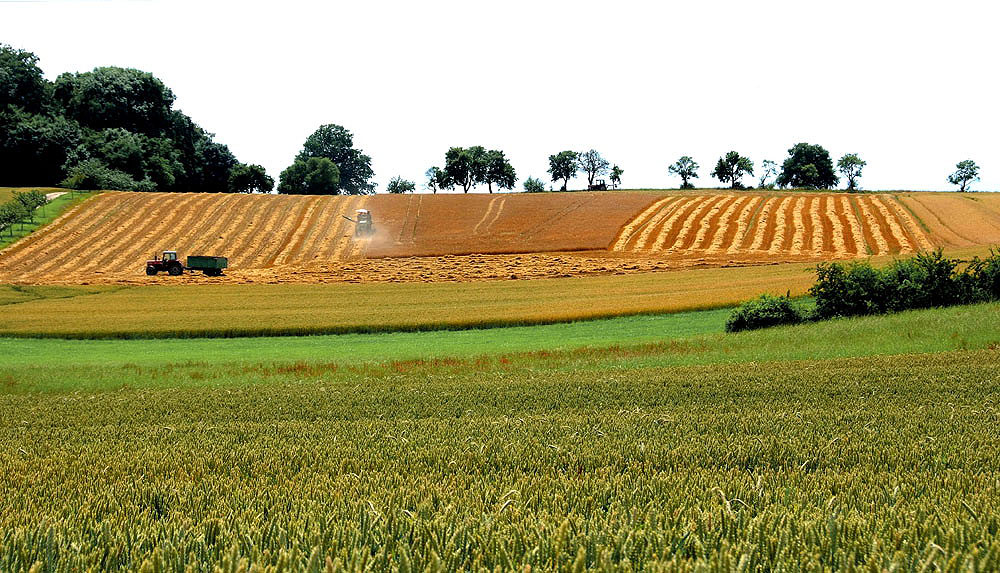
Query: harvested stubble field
(432, 238)
(597, 460)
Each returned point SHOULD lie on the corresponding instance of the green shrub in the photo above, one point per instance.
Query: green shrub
(764, 312)
(850, 290)
(983, 278)
(924, 281)
(532, 185)
(94, 174)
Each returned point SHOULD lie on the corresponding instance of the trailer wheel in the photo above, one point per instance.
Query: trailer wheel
(151, 271)
(175, 270)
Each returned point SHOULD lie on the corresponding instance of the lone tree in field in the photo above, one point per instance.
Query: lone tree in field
(400, 185)
(250, 179)
(685, 168)
(312, 176)
(768, 170)
(850, 166)
(592, 164)
(616, 176)
(731, 168)
(563, 166)
(967, 172)
(335, 144)
(498, 171)
(796, 170)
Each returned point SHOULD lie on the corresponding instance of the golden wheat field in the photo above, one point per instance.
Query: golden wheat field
(428, 238)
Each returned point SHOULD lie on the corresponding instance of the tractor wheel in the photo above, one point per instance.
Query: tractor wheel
(175, 270)
(151, 271)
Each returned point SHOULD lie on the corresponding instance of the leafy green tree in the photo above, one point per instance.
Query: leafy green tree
(207, 164)
(11, 213)
(336, 143)
(850, 166)
(110, 97)
(311, 176)
(34, 147)
(498, 171)
(592, 164)
(966, 173)
(731, 168)
(616, 176)
(685, 168)
(30, 200)
(532, 185)
(250, 179)
(21, 82)
(768, 169)
(795, 171)
(400, 185)
(94, 174)
(563, 166)
(464, 167)
(436, 179)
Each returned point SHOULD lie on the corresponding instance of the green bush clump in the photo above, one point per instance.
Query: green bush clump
(926, 280)
(94, 174)
(764, 312)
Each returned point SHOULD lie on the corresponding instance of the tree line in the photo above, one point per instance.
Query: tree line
(110, 128)
(115, 128)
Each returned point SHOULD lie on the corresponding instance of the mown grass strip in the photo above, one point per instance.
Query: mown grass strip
(680, 340)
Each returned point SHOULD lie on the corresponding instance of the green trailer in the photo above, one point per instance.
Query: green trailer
(211, 266)
(170, 264)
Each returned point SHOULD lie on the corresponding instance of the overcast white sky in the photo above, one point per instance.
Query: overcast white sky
(911, 86)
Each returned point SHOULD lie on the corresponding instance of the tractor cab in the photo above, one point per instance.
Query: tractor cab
(168, 263)
(363, 220)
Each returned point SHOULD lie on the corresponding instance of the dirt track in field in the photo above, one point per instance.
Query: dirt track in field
(487, 237)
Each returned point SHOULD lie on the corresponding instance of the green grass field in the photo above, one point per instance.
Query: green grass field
(864, 444)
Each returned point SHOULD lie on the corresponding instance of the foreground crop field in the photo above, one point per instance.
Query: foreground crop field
(434, 238)
(579, 460)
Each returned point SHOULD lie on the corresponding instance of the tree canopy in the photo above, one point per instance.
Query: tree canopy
(850, 166)
(336, 143)
(498, 171)
(592, 164)
(795, 171)
(731, 168)
(310, 176)
(400, 185)
(250, 179)
(563, 166)
(616, 176)
(113, 126)
(685, 168)
(966, 172)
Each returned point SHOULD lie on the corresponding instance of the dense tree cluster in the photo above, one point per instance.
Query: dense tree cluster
(467, 167)
(329, 165)
(107, 128)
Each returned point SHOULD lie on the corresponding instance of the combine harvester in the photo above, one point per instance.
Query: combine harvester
(170, 264)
